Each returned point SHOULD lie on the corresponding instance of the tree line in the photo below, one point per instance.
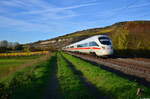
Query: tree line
(6, 46)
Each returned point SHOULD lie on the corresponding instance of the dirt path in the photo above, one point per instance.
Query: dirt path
(52, 91)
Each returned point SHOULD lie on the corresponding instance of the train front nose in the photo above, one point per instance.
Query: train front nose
(107, 50)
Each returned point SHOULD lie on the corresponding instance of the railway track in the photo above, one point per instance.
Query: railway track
(134, 67)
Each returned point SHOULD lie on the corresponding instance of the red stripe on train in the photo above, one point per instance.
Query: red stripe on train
(86, 48)
(96, 48)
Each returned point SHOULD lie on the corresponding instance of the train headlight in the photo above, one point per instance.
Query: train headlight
(103, 47)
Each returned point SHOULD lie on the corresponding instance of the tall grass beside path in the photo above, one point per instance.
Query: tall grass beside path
(70, 83)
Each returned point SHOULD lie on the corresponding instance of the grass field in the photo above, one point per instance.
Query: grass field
(63, 76)
(9, 65)
(27, 76)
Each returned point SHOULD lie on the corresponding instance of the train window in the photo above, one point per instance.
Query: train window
(100, 38)
(71, 46)
(93, 44)
(105, 42)
(82, 45)
(79, 46)
(85, 45)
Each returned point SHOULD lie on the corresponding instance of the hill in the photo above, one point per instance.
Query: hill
(126, 36)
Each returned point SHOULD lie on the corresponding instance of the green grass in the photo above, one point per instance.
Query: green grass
(70, 83)
(31, 82)
(9, 65)
(109, 83)
(27, 83)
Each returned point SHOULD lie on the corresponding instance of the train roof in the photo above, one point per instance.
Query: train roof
(92, 38)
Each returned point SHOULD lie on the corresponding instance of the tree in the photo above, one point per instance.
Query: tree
(4, 43)
(6, 46)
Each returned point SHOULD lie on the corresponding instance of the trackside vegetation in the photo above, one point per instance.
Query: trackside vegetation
(108, 83)
(70, 84)
(27, 83)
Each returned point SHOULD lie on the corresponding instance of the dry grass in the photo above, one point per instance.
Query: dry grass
(13, 64)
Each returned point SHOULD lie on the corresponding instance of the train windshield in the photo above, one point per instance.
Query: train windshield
(104, 40)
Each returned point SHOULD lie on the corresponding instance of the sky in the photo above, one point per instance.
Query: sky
(26, 21)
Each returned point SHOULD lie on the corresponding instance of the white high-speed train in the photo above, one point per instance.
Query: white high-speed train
(101, 45)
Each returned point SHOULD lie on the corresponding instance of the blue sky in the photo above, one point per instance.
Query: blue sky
(27, 21)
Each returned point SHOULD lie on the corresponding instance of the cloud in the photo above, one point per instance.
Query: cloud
(130, 6)
(40, 10)
(22, 25)
(140, 5)
(57, 9)
(25, 4)
(116, 11)
(12, 3)
(13, 19)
